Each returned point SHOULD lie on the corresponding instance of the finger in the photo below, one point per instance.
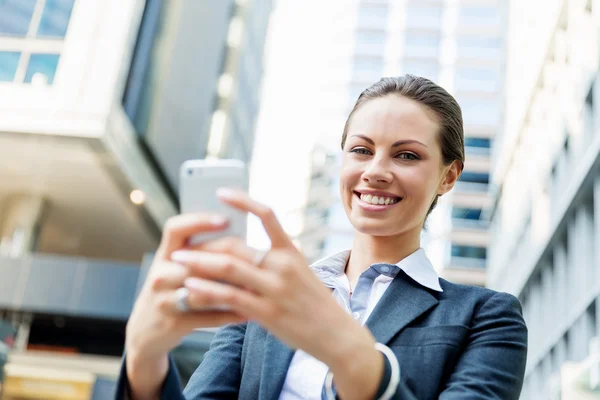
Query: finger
(227, 268)
(215, 294)
(171, 276)
(231, 245)
(180, 227)
(242, 201)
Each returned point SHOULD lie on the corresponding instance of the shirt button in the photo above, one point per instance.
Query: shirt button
(356, 315)
(385, 268)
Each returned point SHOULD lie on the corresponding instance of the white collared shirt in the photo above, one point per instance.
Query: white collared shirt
(306, 374)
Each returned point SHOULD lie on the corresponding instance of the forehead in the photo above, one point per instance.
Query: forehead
(393, 118)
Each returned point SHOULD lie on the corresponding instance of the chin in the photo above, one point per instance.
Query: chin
(374, 228)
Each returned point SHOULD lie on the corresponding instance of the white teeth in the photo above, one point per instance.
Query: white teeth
(379, 200)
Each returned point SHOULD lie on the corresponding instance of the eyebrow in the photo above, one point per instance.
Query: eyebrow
(396, 144)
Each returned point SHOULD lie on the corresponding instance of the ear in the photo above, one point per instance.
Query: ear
(451, 174)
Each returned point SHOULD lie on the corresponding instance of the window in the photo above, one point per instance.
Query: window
(26, 21)
(9, 61)
(41, 67)
(469, 252)
(423, 16)
(370, 37)
(479, 41)
(479, 46)
(55, 18)
(419, 40)
(475, 177)
(15, 17)
(368, 68)
(479, 15)
(478, 142)
(470, 78)
(370, 41)
(480, 111)
(421, 44)
(427, 70)
(466, 213)
(372, 15)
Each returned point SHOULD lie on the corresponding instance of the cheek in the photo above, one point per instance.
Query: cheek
(418, 182)
(349, 176)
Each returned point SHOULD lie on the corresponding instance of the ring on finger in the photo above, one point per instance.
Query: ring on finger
(181, 303)
(259, 257)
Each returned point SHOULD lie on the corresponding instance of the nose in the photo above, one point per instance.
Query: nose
(377, 171)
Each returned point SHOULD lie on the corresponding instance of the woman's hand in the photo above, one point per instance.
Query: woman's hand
(282, 294)
(155, 325)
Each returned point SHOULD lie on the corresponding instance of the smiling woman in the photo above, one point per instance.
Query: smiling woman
(374, 321)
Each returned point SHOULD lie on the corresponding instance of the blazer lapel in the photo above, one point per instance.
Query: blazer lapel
(277, 359)
(403, 302)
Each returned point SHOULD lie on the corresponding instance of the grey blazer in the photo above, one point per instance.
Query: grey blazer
(463, 343)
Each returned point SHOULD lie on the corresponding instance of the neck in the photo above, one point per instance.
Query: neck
(368, 250)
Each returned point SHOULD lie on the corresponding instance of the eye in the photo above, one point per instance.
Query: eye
(360, 150)
(408, 156)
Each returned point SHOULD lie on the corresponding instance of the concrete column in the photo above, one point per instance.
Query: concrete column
(21, 219)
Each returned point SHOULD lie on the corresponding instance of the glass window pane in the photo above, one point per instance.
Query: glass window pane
(372, 15)
(370, 42)
(475, 177)
(466, 213)
(42, 67)
(15, 17)
(9, 61)
(469, 251)
(480, 111)
(479, 15)
(423, 16)
(478, 142)
(421, 44)
(427, 70)
(55, 18)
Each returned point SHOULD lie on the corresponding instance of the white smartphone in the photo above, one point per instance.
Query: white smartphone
(199, 181)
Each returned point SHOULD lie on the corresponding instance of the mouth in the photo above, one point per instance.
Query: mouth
(376, 202)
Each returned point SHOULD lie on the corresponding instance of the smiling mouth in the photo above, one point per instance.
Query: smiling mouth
(377, 200)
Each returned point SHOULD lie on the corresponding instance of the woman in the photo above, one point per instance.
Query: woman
(391, 329)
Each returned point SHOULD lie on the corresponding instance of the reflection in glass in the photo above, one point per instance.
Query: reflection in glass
(15, 17)
(42, 68)
(55, 18)
(9, 61)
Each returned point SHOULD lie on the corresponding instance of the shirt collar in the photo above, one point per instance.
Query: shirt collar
(415, 265)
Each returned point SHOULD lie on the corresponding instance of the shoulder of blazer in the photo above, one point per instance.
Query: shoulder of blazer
(477, 296)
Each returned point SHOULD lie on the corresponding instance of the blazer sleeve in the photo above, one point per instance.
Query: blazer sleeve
(492, 365)
(217, 377)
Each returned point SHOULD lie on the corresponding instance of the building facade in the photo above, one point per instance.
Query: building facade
(461, 46)
(545, 224)
(100, 102)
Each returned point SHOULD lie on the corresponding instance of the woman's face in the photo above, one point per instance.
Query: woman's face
(392, 166)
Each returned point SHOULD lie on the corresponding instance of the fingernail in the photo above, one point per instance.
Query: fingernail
(181, 256)
(225, 193)
(218, 220)
(194, 284)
